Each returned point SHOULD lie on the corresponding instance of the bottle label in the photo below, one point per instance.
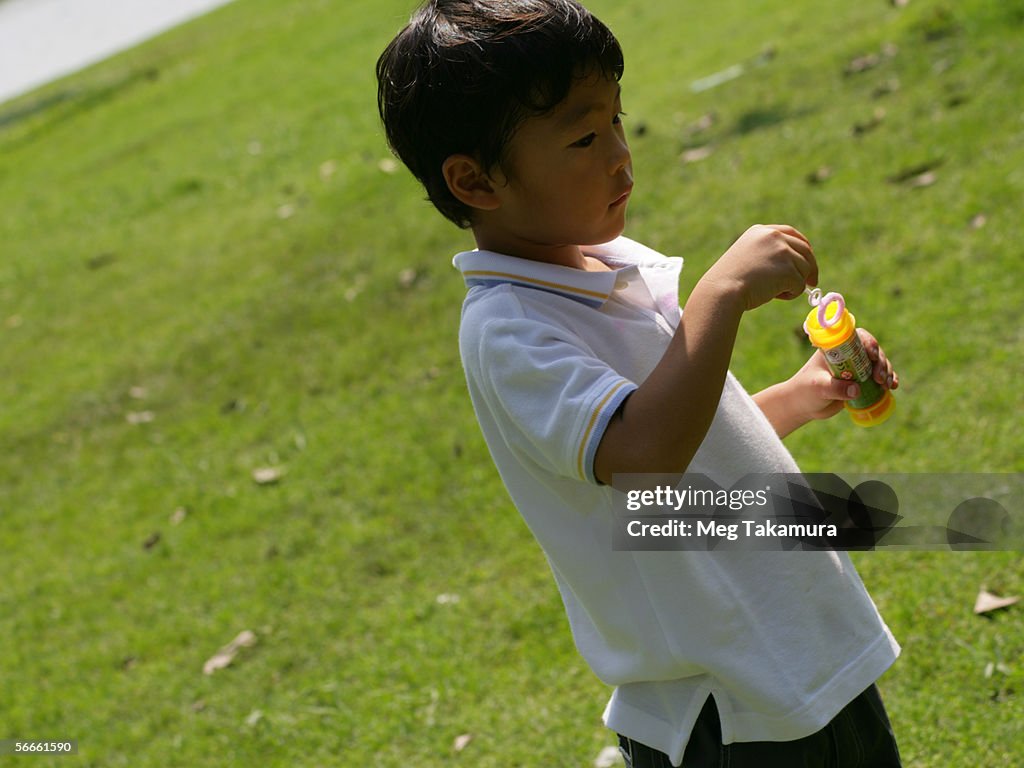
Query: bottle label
(850, 361)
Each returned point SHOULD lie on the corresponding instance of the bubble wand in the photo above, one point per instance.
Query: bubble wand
(832, 328)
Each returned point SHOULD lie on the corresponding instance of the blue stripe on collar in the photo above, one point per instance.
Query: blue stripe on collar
(491, 278)
(488, 269)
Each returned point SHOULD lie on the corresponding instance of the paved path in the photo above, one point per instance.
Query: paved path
(41, 40)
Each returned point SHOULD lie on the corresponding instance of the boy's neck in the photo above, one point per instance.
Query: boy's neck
(571, 256)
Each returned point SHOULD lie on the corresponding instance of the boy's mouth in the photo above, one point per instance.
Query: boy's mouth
(622, 198)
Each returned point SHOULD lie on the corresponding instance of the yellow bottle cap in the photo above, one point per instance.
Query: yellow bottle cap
(874, 414)
(836, 333)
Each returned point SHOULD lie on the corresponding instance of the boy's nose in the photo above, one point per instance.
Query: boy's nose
(621, 157)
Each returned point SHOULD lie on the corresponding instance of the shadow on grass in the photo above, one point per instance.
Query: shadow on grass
(748, 122)
(756, 119)
(68, 103)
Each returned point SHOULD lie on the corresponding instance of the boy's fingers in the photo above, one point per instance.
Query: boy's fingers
(788, 230)
(794, 237)
(841, 389)
(805, 271)
(811, 278)
(799, 244)
(885, 375)
(882, 370)
(870, 343)
(808, 266)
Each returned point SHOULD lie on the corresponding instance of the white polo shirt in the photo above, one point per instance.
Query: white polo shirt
(782, 640)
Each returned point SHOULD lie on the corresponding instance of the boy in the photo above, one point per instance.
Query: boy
(581, 367)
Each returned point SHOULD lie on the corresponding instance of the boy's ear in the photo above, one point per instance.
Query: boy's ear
(468, 182)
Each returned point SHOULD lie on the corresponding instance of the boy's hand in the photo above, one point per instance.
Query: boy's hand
(814, 393)
(882, 370)
(768, 261)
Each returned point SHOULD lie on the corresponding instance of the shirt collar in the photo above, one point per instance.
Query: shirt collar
(487, 269)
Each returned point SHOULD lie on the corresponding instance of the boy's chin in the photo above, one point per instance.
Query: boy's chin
(603, 234)
(607, 234)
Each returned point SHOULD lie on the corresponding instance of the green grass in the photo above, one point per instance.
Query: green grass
(199, 230)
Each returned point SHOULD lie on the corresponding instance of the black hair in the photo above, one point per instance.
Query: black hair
(463, 74)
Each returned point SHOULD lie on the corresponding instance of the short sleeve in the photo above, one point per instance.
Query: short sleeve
(547, 393)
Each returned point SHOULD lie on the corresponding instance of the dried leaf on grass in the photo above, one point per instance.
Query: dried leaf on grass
(462, 741)
(704, 123)
(254, 718)
(226, 655)
(718, 78)
(870, 60)
(917, 175)
(992, 667)
(766, 55)
(139, 417)
(267, 475)
(407, 278)
(697, 154)
(866, 126)
(352, 293)
(986, 602)
(862, 64)
(327, 169)
(818, 176)
(889, 86)
(925, 179)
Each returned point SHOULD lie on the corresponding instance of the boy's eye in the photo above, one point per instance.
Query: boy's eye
(587, 140)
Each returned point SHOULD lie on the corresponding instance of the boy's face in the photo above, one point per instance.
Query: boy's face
(566, 178)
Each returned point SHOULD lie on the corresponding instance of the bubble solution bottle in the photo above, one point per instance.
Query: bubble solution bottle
(832, 328)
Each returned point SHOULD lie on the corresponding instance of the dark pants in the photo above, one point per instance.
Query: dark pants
(860, 736)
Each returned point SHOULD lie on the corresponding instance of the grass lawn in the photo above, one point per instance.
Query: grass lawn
(210, 268)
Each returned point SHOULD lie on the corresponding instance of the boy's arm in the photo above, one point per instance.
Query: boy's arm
(662, 424)
(814, 393)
